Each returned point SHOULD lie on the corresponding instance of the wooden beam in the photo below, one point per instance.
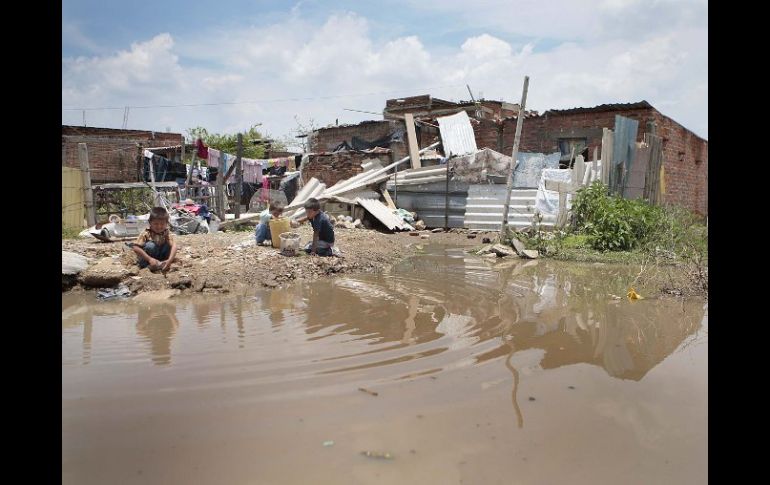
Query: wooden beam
(516, 140)
(88, 193)
(412, 137)
(388, 200)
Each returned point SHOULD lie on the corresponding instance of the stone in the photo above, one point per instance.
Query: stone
(502, 251)
(104, 274)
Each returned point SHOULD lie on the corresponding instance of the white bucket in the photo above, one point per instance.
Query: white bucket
(289, 243)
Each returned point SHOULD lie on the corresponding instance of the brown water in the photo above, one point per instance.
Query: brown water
(513, 372)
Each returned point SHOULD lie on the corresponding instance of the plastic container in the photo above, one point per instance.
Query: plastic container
(278, 227)
(289, 243)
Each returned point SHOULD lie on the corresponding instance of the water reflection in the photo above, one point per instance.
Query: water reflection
(435, 312)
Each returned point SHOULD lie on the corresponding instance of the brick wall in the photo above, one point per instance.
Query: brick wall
(685, 154)
(685, 158)
(326, 139)
(112, 154)
(330, 168)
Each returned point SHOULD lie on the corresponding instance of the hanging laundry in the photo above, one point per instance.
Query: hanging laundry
(203, 152)
(214, 156)
(252, 170)
(265, 189)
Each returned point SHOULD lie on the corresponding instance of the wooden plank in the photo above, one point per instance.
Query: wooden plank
(561, 219)
(607, 143)
(388, 200)
(88, 193)
(556, 186)
(578, 171)
(414, 148)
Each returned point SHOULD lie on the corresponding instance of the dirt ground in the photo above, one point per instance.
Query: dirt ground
(231, 262)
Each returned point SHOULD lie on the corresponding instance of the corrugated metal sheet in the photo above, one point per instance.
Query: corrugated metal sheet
(602, 107)
(457, 134)
(384, 215)
(623, 152)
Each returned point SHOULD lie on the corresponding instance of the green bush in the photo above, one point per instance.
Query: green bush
(612, 223)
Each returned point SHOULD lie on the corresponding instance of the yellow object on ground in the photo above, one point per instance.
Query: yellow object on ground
(633, 295)
(278, 227)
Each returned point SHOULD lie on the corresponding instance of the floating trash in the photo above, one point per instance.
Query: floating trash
(378, 455)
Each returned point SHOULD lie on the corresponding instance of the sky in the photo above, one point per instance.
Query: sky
(230, 64)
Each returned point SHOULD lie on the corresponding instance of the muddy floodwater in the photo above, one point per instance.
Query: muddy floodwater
(447, 368)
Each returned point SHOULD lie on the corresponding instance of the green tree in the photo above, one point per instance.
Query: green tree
(228, 143)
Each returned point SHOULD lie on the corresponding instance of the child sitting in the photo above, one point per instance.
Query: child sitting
(323, 231)
(156, 246)
(263, 228)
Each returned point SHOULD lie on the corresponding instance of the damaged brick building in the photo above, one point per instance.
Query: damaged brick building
(113, 154)
(494, 123)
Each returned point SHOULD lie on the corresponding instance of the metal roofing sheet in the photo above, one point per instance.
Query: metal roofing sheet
(457, 134)
(383, 214)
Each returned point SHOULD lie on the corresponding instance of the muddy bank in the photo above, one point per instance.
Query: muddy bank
(231, 262)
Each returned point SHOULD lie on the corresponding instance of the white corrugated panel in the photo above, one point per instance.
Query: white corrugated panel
(383, 214)
(457, 134)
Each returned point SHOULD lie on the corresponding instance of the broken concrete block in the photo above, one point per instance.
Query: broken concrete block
(438, 229)
(530, 253)
(502, 250)
(419, 225)
(518, 245)
(485, 250)
(425, 236)
(104, 274)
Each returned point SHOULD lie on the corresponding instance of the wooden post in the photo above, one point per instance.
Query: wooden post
(157, 201)
(516, 140)
(446, 199)
(88, 193)
(607, 141)
(220, 195)
(578, 171)
(238, 176)
(189, 175)
(563, 188)
(414, 149)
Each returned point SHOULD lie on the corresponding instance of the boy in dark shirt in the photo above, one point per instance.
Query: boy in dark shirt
(323, 231)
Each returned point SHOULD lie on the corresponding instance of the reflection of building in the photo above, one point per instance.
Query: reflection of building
(625, 338)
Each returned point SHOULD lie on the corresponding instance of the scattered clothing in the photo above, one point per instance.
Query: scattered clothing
(121, 291)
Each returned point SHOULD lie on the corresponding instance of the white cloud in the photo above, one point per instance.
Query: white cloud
(337, 62)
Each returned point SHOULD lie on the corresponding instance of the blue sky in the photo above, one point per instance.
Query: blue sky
(283, 64)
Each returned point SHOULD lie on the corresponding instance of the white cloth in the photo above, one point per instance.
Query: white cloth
(547, 201)
(214, 156)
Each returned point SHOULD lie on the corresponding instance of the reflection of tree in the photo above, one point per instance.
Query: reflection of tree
(508, 311)
(158, 325)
